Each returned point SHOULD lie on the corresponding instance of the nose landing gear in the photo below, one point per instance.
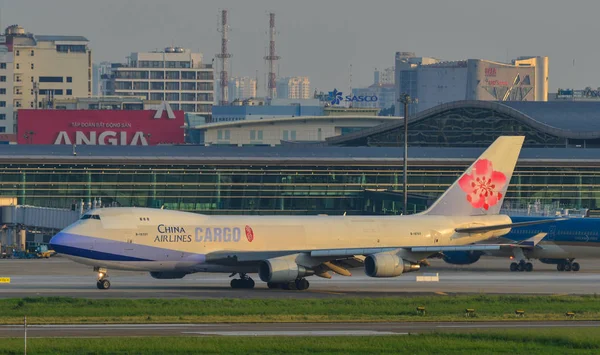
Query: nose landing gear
(102, 283)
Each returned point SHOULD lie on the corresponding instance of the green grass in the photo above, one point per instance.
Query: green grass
(546, 341)
(439, 308)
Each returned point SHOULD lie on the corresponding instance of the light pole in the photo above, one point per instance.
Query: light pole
(405, 99)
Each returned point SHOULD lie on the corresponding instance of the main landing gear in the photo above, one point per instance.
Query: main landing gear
(299, 284)
(244, 281)
(521, 266)
(568, 265)
(102, 283)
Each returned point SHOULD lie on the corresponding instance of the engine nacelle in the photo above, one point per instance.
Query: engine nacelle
(462, 257)
(281, 270)
(168, 275)
(387, 265)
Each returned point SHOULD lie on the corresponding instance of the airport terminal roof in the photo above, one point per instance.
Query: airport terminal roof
(565, 119)
(58, 38)
(279, 155)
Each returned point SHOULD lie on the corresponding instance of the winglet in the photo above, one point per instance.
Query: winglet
(533, 241)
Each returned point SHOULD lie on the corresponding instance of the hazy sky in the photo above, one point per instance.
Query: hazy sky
(321, 39)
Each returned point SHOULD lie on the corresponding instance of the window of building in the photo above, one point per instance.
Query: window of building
(17, 52)
(293, 135)
(2, 65)
(32, 52)
(31, 104)
(2, 103)
(3, 78)
(252, 135)
(219, 134)
(227, 135)
(69, 79)
(51, 79)
(2, 129)
(32, 66)
(2, 91)
(69, 92)
(2, 116)
(260, 135)
(17, 66)
(286, 135)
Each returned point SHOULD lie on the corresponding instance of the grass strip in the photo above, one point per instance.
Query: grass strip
(44, 310)
(535, 341)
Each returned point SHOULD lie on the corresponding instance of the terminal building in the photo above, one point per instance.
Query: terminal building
(357, 173)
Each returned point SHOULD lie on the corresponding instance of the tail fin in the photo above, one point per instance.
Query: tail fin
(481, 189)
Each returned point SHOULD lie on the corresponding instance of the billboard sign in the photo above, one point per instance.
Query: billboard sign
(100, 127)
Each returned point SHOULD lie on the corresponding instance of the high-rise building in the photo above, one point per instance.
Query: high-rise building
(432, 84)
(43, 68)
(242, 88)
(295, 87)
(175, 75)
(381, 94)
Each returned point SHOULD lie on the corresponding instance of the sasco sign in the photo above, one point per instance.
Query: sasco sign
(100, 127)
(337, 97)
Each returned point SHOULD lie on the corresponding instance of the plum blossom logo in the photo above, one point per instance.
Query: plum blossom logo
(249, 234)
(335, 97)
(483, 185)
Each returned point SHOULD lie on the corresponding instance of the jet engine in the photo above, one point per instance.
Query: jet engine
(462, 257)
(279, 270)
(168, 275)
(388, 265)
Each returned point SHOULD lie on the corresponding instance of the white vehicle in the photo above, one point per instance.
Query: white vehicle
(283, 250)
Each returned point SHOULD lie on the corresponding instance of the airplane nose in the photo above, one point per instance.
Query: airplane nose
(62, 243)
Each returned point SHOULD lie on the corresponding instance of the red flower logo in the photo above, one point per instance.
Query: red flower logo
(483, 184)
(249, 234)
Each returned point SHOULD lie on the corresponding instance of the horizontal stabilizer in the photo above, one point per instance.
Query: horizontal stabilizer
(496, 227)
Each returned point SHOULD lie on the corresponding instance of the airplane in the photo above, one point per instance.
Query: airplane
(557, 243)
(284, 250)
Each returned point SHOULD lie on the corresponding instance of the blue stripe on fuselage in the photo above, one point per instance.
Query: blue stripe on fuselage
(570, 230)
(111, 250)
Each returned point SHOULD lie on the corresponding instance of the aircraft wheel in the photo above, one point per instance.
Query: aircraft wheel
(520, 267)
(249, 283)
(560, 267)
(235, 283)
(568, 267)
(513, 266)
(528, 267)
(273, 285)
(575, 267)
(302, 284)
(103, 284)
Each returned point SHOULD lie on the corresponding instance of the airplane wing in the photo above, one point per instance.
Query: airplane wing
(237, 257)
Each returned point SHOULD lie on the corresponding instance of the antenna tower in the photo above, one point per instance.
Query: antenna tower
(272, 57)
(224, 56)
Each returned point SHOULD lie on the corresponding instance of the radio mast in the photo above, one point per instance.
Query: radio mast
(271, 58)
(224, 56)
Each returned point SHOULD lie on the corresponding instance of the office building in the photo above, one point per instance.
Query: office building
(296, 87)
(43, 67)
(242, 88)
(432, 84)
(175, 75)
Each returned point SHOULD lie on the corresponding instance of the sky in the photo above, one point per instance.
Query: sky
(331, 41)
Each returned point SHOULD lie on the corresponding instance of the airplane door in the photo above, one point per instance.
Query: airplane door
(551, 233)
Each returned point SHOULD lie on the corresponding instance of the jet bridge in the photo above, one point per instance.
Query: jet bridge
(21, 224)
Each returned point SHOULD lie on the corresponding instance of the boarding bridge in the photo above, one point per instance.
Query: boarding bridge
(20, 224)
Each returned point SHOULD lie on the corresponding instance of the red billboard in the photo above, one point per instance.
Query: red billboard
(100, 127)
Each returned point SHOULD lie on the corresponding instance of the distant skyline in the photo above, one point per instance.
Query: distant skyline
(321, 39)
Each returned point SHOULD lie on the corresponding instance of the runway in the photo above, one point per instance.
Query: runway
(271, 329)
(59, 276)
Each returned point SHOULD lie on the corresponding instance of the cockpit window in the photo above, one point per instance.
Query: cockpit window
(90, 216)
